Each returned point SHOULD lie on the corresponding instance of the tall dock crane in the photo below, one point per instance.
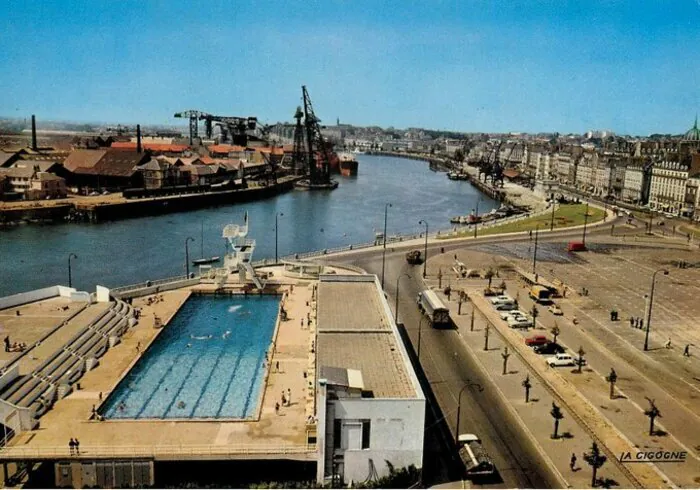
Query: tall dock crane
(194, 117)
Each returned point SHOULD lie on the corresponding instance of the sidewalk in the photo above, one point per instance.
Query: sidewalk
(586, 414)
(534, 415)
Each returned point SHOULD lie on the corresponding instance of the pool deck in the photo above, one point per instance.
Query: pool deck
(42, 322)
(274, 435)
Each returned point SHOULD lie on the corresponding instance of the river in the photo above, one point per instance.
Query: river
(124, 252)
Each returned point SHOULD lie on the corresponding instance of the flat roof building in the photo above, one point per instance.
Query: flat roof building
(370, 406)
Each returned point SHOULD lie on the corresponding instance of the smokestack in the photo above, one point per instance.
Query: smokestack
(34, 147)
(138, 138)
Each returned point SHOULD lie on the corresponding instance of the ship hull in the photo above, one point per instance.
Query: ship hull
(348, 168)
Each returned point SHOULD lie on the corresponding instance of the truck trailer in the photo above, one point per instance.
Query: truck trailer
(475, 458)
(432, 307)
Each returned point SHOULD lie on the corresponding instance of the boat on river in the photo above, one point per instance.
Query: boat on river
(204, 260)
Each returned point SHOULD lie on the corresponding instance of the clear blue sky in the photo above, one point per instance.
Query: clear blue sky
(467, 65)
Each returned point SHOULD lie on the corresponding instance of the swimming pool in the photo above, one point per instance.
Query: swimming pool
(207, 363)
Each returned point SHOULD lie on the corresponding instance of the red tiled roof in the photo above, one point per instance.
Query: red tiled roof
(225, 148)
(273, 151)
(161, 147)
(511, 174)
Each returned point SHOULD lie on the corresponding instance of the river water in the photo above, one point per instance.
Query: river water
(124, 252)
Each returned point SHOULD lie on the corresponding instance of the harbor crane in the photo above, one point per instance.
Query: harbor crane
(194, 117)
(233, 128)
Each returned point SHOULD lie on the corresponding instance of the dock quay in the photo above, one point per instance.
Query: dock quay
(97, 210)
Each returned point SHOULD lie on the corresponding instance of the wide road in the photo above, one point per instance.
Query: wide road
(449, 367)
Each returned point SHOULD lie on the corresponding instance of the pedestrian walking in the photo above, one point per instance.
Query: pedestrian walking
(641, 324)
(631, 322)
(572, 463)
(77, 446)
(686, 351)
(284, 399)
(277, 408)
(302, 323)
(289, 396)
(277, 366)
(71, 446)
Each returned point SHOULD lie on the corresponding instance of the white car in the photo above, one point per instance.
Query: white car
(563, 360)
(506, 315)
(504, 298)
(519, 322)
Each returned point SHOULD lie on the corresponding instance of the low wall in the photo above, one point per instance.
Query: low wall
(144, 289)
(29, 297)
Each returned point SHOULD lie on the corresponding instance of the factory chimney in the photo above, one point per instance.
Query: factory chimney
(34, 147)
(138, 138)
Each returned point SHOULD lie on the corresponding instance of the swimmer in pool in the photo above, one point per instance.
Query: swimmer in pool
(180, 404)
(189, 345)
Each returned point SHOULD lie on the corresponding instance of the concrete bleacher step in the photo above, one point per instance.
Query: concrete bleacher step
(91, 363)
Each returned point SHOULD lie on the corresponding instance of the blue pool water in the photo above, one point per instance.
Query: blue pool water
(209, 357)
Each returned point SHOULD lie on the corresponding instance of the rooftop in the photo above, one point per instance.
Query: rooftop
(354, 332)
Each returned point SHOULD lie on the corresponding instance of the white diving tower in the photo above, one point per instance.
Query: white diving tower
(239, 252)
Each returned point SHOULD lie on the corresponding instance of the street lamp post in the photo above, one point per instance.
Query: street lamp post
(585, 223)
(651, 305)
(187, 255)
(70, 276)
(420, 325)
(277, 215)
(476, 217)
(551, 223)
(469, 384)
(396, 309)
(386, 211)
(425, 251)
(534, 257)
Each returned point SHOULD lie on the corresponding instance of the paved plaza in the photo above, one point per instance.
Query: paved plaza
(616, 272)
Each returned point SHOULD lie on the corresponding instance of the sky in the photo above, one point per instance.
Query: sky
(632, 67)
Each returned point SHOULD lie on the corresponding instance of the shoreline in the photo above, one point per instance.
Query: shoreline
(510, 193)
(116, 207)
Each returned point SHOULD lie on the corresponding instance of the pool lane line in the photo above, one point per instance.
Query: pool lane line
(243, 349)
(222, 353)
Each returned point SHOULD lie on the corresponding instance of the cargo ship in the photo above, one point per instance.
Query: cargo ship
(347, 164)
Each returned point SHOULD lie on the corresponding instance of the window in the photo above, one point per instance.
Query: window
(365, 434)
(337, 433)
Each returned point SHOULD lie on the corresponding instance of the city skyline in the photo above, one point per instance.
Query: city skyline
(458, 66)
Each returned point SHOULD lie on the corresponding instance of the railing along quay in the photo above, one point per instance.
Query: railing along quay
(159, 451)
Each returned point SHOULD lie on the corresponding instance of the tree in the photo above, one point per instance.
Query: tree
(535, 313)
(555, 332)
(580, 361)
(459, 155)
(652, 412)
(596, 460)
(505, 354)
(527, 385)
(490, 273)
(557, 415)
(612, 379)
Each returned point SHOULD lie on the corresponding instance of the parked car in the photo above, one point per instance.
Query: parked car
(504, 298)
(536, 340)
(519, 322)
(555, 310)
(508, 314)
(563, 360)
(549, 348)
(505, 306)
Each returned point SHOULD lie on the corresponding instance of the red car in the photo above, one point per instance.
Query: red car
(536, 340)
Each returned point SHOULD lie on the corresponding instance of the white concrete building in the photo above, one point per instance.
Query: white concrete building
(633, 184)
(370, 406)
(668, 186)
